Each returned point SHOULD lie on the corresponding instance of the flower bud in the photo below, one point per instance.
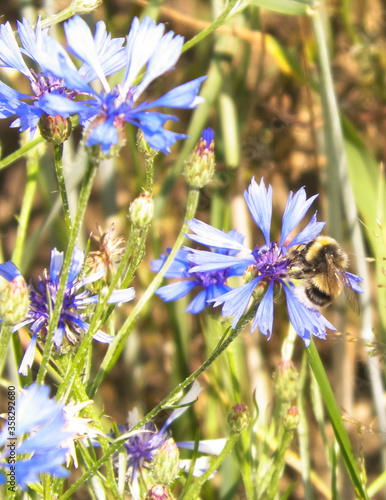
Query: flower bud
(199, 168)
(291, 419)
(285, 379)
(55, 129)
(141, 210)
(84, 6)
(159, 492)
(14, 298)
(238, 418)
(250, 273)
(164, 466)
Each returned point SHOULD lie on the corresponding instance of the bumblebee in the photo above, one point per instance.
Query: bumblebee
(321, 266)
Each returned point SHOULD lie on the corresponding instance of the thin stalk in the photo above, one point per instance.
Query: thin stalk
(54, 320)
(20, 152)
(165, 403)
(25, 212)
(5, 335)
(221, 19)
(116, 348)
(194, 491)
(336, 420)
(78, 361)
(58, 158)
(336, 155)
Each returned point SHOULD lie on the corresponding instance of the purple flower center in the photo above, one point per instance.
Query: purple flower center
(270, 261)
(142, 447)
(39, 302)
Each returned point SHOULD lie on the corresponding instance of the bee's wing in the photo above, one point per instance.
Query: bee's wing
(335, 273)
(351, 295)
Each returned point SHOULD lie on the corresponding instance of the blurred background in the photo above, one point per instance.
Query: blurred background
(264, 99)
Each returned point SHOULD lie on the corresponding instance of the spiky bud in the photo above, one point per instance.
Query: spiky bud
(159, 492)
(291, 419)
(199, 168)
(55, 129)
(84, 6)
(14, 298)
(285, 379)
(238, 418)
(164, 466)
(141, 210)
(250, 273)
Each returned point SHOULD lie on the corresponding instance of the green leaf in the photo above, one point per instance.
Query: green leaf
(336, 420)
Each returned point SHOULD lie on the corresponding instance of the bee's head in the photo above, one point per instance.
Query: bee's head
(327, 248)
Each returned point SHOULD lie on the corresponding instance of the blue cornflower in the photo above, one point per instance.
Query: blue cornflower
(71, 322)
(266, 266)
(212, 283)
(43, 423)
(107, 111)
(143, 446)
(49, 56)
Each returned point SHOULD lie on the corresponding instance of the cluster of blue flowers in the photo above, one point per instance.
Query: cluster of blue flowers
(266, 267)
(71, 324)
(62, 87)
(59, 88)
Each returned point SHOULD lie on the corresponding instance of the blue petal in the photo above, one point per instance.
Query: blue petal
(236, 301)
(111, 54)
(10, 55)
(176, 291)
(355, 282)
(163, 57)
(59, 335)
(55, 104)
(189, 398)
(120, 296)
(27, 471)
(212, 261)
(259, 201)
(305, 321)
(81, 44)
(50, 435)
(310, 232)
(182, 97)
(214, 238)
(142, 41)
(264, 314)
(9, 271)
(198, 304)
(179, 267)
(104, 134)
(56, 263)
(296, 208)
(35, 407)
(76, 265)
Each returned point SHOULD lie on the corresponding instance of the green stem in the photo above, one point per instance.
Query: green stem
(5, 335)
(194, 491)
(222, 18)
(58, 157)
(25, 213)
(116, 348)
(54, 320)
(165, 403)
(279, 464)
(20, 152)
(78, 361)
(336, 420)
